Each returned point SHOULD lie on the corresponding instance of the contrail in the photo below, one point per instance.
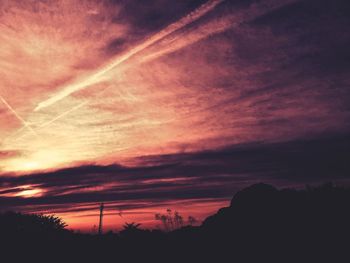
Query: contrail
(56, 118)
(63, 114)
(18, 116)
(95, 78)
(185, 38)
(70, 110)
(15, 133)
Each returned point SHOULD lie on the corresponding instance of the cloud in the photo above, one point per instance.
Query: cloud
(198, 175)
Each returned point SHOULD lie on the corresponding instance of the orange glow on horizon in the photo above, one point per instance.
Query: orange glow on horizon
(115, 219)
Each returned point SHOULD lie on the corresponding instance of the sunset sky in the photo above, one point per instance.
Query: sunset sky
(149, 105)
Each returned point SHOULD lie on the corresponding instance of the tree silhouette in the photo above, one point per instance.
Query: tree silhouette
(131, 226)
(130, 229)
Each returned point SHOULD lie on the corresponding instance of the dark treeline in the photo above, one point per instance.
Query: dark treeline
(262, 224)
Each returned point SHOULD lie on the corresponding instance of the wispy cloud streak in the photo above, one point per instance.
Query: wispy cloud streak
(96, 77)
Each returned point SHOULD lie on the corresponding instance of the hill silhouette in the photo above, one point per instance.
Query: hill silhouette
(262, 223)
(312, 223)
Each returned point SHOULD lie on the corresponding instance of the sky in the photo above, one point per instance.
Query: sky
(149, 105)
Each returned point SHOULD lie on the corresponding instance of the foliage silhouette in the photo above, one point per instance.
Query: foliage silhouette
(173, 220)
(31, 223)
(261, 224)
(130, 229)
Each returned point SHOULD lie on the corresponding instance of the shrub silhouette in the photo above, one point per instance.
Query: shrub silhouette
(31, 223)
(172, 221)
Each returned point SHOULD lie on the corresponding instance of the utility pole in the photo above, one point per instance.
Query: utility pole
(101, 217)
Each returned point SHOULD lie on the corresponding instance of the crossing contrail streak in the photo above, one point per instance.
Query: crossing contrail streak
(63, 114)
(96, 77)
(11, 136)
(70, 110)
(18, 116)
(54, 119)
(181, 40)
